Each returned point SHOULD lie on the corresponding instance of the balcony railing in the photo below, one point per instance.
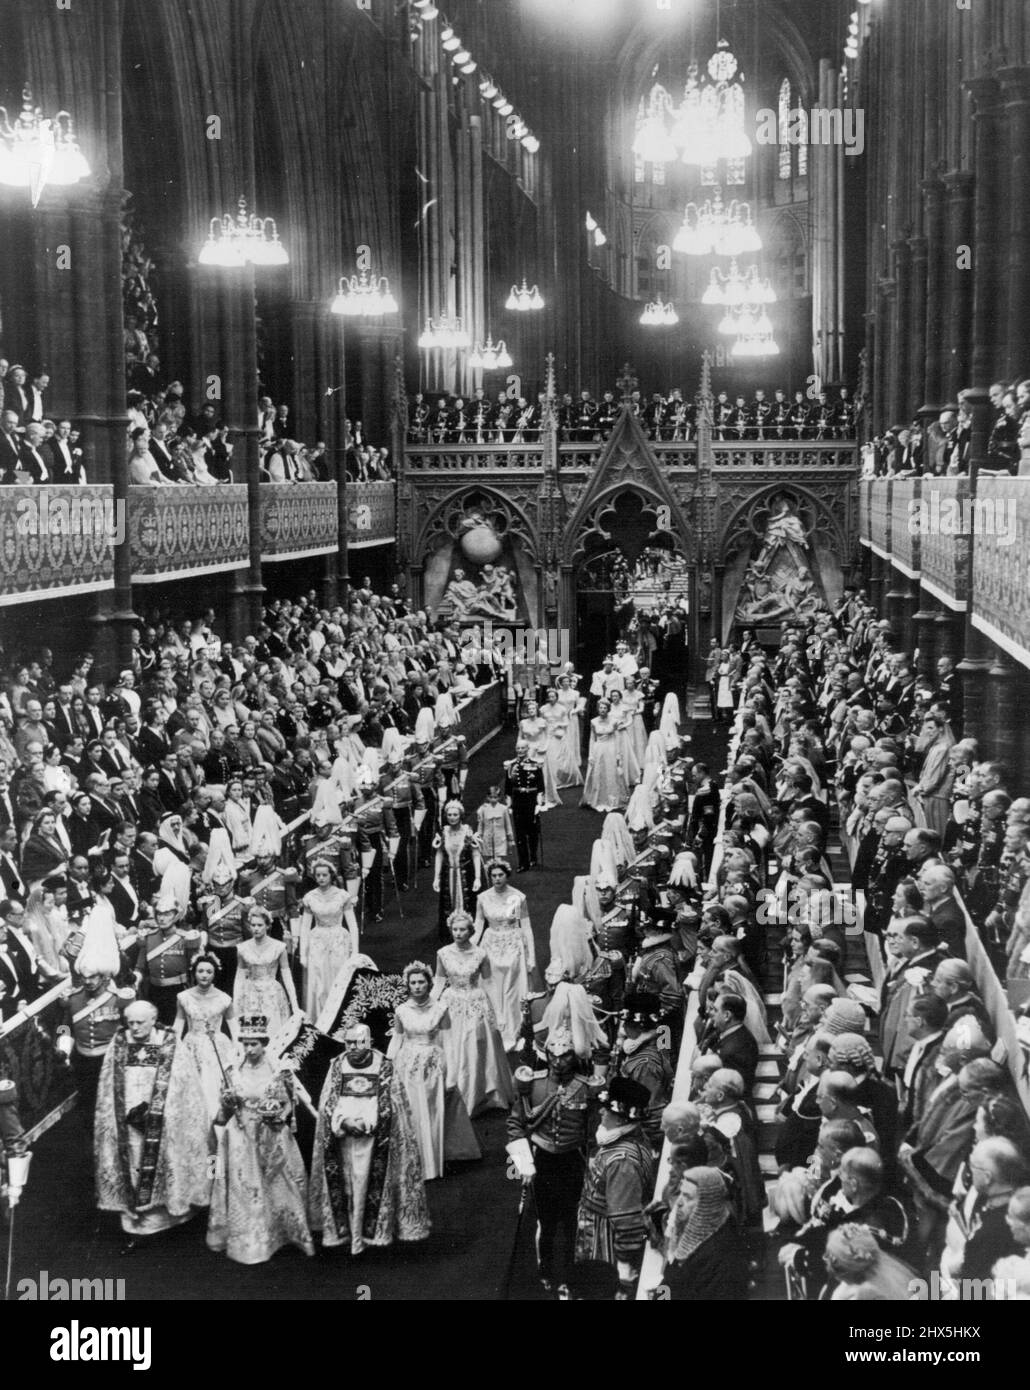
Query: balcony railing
(55, 537)
(454, 458)
(371, 514)
(1001, 568)
(906, 525)
(865, 510)
(944, 540)
(196, 530)
(298, 519)
(880, 517)
(778, 454)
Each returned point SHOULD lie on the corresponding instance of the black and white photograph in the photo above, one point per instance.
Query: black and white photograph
(514, 660)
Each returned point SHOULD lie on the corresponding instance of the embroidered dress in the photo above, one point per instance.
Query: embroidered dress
(570, 701)
(537, 734)
(259, 1197)
(457, 875)
(257, 988)
(475, 1054)
(328, 944)
(503, 931)
(205, 1046)
(442, 1125)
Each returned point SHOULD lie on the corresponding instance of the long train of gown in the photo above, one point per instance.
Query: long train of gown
(537, 734)
(476, 1060)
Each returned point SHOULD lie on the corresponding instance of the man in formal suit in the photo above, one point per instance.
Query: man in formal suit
(937, 885)
(18, 969)
(94, 718)
(732, 1042)
(8, 812)
(141, 866)
(32, 460)
(125, 901)
(10, 447)
(12, 885)
(703, 816)
(63, 462)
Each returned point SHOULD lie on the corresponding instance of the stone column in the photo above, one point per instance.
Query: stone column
(958, 284)
(1003, 711)
(901, 408)
(991, 179)
(924, 621)
(1015, 83)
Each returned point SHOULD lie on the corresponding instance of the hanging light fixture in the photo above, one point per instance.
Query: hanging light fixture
(736, 287)
(36, 150)
(715, 229)
(522, 299)
(243, 240)
(426, 9)
(490, 357)
(363, 296)
(530, 143)
(445, 332)
(755, 345)
(659, 315)
(708, 125)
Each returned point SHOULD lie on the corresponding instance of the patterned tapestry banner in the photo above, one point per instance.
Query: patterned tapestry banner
(198, 529)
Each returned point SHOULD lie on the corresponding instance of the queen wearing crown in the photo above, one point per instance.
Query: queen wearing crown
(259, 1197)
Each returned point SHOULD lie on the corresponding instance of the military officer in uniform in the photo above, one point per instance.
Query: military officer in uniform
(401, 785)
(761, 415)
(549, 1127)
(225, 917)
(373, 820)
(619, 1184)
(656, 972)
(262, 880)
(163, 961)
(524, 788)
(92, 1014)
(453, 758)
(640, 1056)
(780, 415)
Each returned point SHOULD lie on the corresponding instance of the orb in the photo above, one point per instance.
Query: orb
(481, 545)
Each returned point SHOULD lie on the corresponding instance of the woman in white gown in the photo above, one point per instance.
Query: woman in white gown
(264, 982)
(504, 932)
(203, 1014)
(622, 717)
(633, 702)
(535, 730)
(475, 1054)
(566, 760)
(442, 1124)
(569, 698)
(605, 788)
(326, 939)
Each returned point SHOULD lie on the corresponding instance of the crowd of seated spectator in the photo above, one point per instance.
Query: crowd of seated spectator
(941, 449)
(667, 419)
(903, 1148)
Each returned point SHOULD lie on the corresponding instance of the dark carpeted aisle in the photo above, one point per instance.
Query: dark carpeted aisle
(473, 1211)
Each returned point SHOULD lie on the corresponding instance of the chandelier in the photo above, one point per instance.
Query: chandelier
(36, 150)
(713, 229)
(243, 240)
(659, 315)
(524, 299)
(709, 123)
(737, 288)
(444, 332)
(491, 357)
(363, 297)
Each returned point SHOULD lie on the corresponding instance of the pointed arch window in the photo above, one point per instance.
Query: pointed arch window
(784, 120)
